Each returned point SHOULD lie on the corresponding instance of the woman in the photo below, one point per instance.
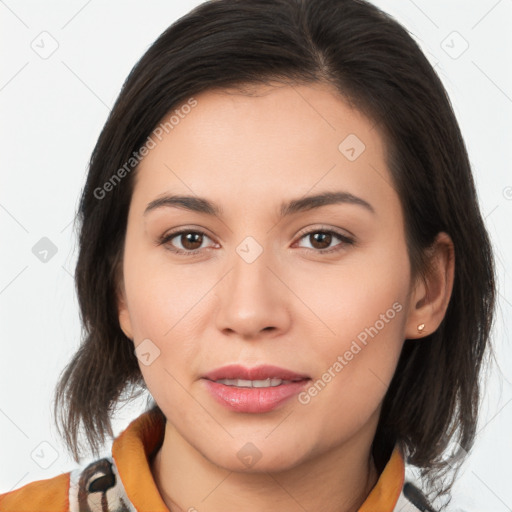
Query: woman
(280, 239)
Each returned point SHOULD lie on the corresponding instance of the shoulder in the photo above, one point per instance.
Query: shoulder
(49, 495)
(97, 485)
(84, 489)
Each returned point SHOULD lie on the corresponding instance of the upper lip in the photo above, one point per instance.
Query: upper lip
(236, 371)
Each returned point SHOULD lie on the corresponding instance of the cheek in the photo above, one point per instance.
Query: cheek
(363, 314)
(348, 299)
(154, 308)
(163, 296)
(168, 305)
(162, 316)
(354, 372)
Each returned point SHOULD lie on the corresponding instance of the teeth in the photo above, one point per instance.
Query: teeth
(240, 383)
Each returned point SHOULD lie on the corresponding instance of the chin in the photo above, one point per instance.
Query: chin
(257, 457)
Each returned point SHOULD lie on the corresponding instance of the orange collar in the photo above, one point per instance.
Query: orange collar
(385, 494)
(132, 448)
(130, 451)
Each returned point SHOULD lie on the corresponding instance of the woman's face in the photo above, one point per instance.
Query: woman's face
(262, 274)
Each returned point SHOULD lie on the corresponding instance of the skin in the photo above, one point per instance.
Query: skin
(292, 307)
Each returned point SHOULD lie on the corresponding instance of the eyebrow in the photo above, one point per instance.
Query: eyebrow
(202, 205)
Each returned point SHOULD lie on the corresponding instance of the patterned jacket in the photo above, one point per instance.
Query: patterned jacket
(123, 482)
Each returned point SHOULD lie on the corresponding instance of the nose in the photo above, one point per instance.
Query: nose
(254, 301)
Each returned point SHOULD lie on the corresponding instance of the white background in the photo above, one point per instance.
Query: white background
(52, 111)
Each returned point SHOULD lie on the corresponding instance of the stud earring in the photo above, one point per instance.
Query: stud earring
(421, 327)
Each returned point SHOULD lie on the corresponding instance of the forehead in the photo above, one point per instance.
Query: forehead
(267, 141)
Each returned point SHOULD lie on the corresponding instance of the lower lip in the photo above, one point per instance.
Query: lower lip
(254, 400)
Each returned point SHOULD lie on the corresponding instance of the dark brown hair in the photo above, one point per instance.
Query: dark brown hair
(373, 62)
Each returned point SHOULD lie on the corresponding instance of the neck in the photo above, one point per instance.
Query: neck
(337, 481)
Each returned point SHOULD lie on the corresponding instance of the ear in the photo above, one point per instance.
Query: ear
(430, 297)
(123, 313)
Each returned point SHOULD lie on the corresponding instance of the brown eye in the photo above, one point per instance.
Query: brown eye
(321, 240)
(191, 241)
(186, 242)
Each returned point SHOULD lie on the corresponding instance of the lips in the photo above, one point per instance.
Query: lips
(235, 371)
(254, 390)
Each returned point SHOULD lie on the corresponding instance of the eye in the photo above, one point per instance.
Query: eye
(320, 240)
(190, 241)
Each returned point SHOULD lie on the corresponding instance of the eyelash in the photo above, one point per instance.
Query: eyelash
(165, 239)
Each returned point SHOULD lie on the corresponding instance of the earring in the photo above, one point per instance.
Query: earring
(421, 327)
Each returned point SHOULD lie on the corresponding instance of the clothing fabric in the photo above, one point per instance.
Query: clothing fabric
(123, 482)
